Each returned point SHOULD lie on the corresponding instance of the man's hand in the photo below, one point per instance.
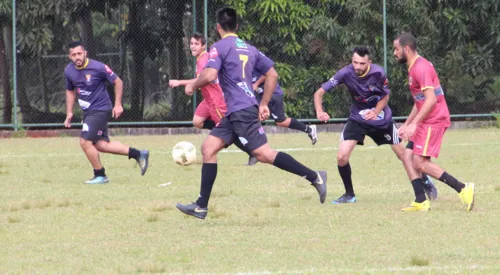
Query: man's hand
(117, 111)
(406, 132)
(263, 112)
(323, 116)
(67, 122)
(370, 115)
(255, 87)
(189, 89)
(174, 83)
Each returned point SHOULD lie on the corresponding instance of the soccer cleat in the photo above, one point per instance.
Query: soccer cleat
(416, 207)
(430, 189)
(467, 195)
(346, 198)
(252, 161)
(193, 209)
(320, 185)
(314, 134)
(97, 180)
(143, 161)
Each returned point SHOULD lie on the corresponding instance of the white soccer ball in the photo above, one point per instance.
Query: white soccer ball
(184, 153)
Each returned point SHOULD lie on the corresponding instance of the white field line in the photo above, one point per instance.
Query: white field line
(350, 271)
(239, 151)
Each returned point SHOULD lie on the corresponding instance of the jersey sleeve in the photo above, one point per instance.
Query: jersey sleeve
(336, 80)
(214, 57)
(263, 63)
(109, 74)
(69, 84)
(385, 84)
(201, 63)
(425, 76)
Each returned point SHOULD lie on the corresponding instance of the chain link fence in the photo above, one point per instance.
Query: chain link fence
(146, 43)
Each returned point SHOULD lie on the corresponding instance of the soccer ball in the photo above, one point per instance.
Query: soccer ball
(184, 153)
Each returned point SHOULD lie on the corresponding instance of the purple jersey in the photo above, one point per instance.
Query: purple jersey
(235, 60)
(365, 90)
(256, 75)
(90, 84)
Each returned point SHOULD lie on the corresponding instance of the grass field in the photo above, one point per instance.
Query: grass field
(261, 220)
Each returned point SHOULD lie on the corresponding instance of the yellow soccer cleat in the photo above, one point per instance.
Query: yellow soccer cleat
(415, 207)
(467, 195)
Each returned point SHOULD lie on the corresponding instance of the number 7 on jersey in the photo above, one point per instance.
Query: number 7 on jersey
(244, 59)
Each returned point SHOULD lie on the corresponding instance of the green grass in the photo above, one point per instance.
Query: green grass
(261, 220)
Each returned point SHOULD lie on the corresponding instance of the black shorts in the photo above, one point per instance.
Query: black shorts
(244, 125)
(276, 107)
(95, 126)
(354, 130)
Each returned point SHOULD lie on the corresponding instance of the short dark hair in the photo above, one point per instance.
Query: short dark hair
(200, 37)
(227, 19)
(407, 39)
(362, 51)
(74, 44)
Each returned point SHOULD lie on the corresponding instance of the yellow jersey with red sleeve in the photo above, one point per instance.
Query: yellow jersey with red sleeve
(421, 76)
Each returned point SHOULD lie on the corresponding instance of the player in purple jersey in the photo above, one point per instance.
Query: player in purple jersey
(369, 115)
(233, 60)
(277, 108)
(87, 78)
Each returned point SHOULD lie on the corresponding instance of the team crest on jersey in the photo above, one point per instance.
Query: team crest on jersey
(88, 77)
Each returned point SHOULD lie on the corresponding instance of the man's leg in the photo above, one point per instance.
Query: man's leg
(429, 187)
(346, 147)
(118, 148)
(92, 155)
(219, 137)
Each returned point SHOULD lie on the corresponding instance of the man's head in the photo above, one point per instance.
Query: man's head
(77, 53)
(227, 21)
(361, 59)
(403, 44)
(197, 43)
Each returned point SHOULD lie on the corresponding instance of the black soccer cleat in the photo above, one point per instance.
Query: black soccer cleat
(193, 210)
(252, 161)
(320, 185)
(143, 161)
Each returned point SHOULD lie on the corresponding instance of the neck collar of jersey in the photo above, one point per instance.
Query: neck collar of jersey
(413, 62)
(367, 70)
(84, 65)
(202, 53)
(230, 34)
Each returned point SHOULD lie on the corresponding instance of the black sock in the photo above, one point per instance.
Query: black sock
(208, 175)
(452, 182)
(297, 125)
(288, 163)
(345, 174)
(100, 172)
(418, 187)
(133, 153)
(242, 147)
(208, 124)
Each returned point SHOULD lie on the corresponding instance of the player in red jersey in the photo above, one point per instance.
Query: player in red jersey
(213, 107)
(425, 126)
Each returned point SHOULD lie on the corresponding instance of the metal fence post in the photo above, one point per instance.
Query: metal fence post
(14, 64)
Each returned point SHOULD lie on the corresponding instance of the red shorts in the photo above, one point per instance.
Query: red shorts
(207, 111)
(427, 140)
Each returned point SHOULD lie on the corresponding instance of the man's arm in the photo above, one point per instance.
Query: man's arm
(118, 87)
(430, 101)
(270, 86)
(259, 81)
(412, 115)
(318, 104)
(176, 82)
(378, 108)
(70, 101)
(207, 75)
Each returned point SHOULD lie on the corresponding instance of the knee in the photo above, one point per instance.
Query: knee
(281, 123)
(342, 159)
(198, 124)
(207, 150)
(265, 156)
(101, 146)
(85, 143)
(418, 166)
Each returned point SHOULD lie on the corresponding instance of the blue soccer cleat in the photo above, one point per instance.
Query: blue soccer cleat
(143, 161)
(346, 198)
(97, 180)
